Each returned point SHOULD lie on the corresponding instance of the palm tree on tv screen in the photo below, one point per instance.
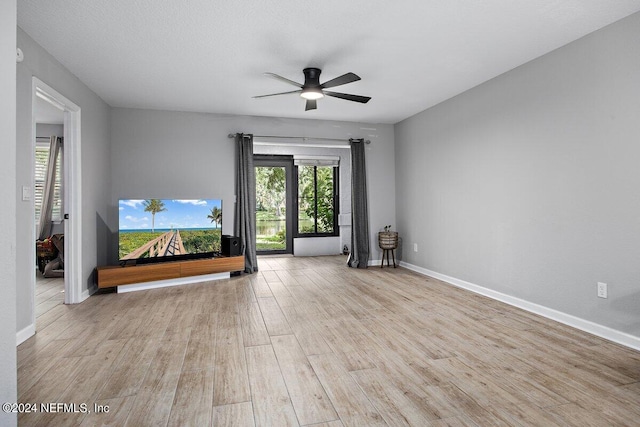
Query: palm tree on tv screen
(215, 215)
(154, 206)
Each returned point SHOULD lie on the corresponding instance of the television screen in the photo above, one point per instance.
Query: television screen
(163, 229)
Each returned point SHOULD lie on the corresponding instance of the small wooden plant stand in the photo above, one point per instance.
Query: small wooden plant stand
(388, 242)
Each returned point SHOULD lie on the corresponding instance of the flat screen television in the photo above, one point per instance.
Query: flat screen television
(157, 230)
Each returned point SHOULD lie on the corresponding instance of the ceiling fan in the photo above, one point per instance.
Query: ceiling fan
(312, 89)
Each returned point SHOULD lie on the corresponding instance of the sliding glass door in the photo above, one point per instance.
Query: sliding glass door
(274, 198)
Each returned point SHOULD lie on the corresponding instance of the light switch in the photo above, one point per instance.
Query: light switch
(26, 193)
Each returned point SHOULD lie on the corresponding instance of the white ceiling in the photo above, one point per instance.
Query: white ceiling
(209, 55)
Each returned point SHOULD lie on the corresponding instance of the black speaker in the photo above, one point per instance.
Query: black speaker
(231, 246)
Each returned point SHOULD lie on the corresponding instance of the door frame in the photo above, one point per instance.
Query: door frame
(263, 160)
(72, 192)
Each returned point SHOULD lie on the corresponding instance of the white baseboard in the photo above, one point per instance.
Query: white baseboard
(377, 262)
(601, 331)
(87, 293)
(171, 282)
(25, 334)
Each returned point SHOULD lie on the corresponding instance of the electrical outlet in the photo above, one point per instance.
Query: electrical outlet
(602, 290)
(415, 247)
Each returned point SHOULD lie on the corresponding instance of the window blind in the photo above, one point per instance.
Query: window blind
(299, 160)
(42, 158)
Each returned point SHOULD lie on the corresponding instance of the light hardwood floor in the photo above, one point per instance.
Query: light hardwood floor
(308, 341)
(49, 293)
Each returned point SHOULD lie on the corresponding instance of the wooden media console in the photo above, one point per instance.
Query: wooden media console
(110, 276)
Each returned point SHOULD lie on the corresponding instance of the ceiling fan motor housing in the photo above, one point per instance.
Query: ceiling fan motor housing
(311, 90)
(311, 77)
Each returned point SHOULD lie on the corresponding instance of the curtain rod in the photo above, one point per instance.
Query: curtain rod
(304, 138)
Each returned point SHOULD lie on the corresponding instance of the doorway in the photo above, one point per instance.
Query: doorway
(47, 198)
(71, 214)
(274, 199)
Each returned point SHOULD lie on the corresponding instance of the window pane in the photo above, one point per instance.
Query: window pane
(316, 202)
(42, 159)
(56, 213)
(306, 215)
(42, 156)
(325, 199)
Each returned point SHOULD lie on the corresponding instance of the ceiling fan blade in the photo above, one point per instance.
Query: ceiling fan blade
(281, 93)
(342, 80)
(311, 105)
(348, 97)
(284, 79)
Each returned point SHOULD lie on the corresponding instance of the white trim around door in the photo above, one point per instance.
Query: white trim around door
(72, 190)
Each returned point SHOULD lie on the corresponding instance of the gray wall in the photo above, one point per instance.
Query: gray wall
(176, 154)
(95, 140)
(8, 370)
(529, 184)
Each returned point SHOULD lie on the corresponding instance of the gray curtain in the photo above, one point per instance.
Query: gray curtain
(245, 218)
(44, 226)
(359, 257)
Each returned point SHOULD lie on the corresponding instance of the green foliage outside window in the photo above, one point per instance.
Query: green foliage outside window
(316, 199)
(271, 203)
(270, 190)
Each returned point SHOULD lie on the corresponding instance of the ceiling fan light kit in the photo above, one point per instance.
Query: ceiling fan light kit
(313, 90)
(312, 93)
